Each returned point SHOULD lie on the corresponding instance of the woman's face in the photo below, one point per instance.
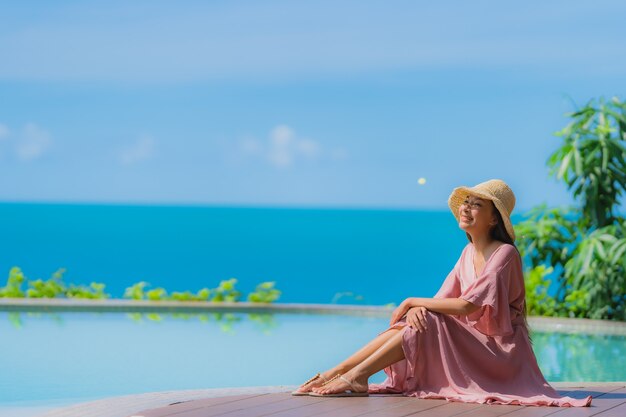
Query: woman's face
(477, 215)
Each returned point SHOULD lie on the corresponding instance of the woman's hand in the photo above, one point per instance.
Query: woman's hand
(400, 311)
(416, 318)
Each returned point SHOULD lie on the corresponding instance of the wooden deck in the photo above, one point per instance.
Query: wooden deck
(608, 401)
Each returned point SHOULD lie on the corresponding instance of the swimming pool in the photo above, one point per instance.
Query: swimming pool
(72, 357)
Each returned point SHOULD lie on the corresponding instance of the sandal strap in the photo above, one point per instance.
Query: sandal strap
(313, 378)
(331, 379)
(348, 382)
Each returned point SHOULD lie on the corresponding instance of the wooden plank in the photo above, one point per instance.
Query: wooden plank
(325, 406)
(195, 408)
(493, 410)
(365, 405)
(608, 401)
(578, 392)
(187, 405)
(245, 404)
(412, 406)
(291, 403)
(450, 408)
(619, 411)
(599, 404)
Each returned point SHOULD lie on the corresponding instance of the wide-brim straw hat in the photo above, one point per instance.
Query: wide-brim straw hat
(494, 190)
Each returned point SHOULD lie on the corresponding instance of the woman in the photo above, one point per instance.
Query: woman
(470, 342)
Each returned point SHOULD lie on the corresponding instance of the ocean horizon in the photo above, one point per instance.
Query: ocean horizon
(315, 255)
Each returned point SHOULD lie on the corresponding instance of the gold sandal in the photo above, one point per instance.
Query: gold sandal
(349, 392)
(313, 378)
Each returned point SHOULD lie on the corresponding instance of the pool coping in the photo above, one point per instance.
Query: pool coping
(538, 323)
(127, 405)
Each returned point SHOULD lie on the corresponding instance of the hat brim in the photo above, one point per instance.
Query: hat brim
(458, 196)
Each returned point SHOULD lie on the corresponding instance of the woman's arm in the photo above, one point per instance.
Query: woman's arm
(456, 306)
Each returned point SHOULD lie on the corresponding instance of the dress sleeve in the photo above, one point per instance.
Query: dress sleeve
(490, 292)
(451, 287)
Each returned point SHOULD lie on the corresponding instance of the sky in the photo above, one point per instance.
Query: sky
(282, 103)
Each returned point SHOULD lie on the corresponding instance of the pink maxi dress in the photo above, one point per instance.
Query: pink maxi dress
(484, 357)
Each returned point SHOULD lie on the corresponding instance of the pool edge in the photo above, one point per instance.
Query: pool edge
(538, 323)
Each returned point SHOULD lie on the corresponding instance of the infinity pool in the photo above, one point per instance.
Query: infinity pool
(73, 357)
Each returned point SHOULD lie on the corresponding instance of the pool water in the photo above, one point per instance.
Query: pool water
(85, 356)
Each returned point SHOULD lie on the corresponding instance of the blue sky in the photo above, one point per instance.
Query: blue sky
(279, 103)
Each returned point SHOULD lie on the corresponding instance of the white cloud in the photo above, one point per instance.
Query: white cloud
(283, 148)
(32, 143)
(4, 131)
(309, 147)
(281, 152)
(281, 135)
(141, 150)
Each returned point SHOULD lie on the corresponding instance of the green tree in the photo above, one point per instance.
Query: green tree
(587, 243)
(592, 161)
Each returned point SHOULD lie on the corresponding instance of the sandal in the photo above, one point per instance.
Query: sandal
(351, 392)
(313, 378)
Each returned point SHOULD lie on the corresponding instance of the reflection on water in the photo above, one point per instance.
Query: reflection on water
(226, 322)
(580, 357)
(89, 355)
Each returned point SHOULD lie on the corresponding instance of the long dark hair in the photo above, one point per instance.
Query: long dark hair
(498, 232)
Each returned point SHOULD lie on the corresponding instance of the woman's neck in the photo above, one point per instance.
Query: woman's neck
(481, 244)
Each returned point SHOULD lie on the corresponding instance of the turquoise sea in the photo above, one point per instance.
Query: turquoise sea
(314, 255)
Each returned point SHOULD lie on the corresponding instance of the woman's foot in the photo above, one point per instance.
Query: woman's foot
(314, 382)
(355, 383)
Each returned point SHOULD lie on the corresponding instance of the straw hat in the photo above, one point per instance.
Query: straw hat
(494, 190)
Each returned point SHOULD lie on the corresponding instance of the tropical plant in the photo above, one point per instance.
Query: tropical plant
(95, 290)
(136, 291)
(264, 293)
(51, 288)
(598, 270)
(226, 291)
(201, 295)
(156, 294)
(547, 235)
(592, 161)
(13, 288)
(538, 301)
(55, 287)
(585, 246)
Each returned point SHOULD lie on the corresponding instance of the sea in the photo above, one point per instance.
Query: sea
(314, 255)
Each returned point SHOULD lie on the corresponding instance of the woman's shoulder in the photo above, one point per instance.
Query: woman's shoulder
(507, 247)
(506, 254)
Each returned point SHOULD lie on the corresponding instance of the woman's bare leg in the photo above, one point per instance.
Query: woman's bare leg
(363, 353)
(356, 358)
(389, 353)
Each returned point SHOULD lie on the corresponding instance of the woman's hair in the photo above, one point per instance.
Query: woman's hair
(498, 232)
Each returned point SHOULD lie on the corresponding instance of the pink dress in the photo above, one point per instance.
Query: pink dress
(484, 357)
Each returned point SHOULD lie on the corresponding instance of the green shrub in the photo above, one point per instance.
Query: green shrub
(13, 288)
(94, 291)
(586, 243)
(136, 291)
(264, 293)
(226, 292)
(55, 287)
(538, 301)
